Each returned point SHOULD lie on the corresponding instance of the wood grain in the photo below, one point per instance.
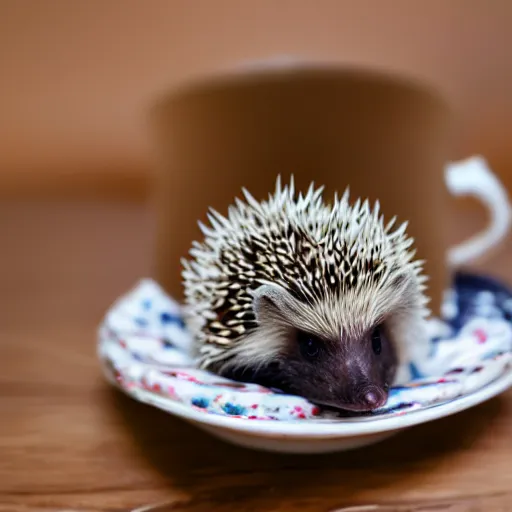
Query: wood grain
(68, 442)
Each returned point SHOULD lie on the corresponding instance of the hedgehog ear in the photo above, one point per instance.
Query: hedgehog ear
(271, 302)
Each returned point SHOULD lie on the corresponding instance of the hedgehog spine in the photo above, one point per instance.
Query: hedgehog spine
(341, 263)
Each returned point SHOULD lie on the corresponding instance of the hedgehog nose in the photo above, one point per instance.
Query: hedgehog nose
(371, 399)
(374, 399)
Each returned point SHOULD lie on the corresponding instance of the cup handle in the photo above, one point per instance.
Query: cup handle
(472, 176)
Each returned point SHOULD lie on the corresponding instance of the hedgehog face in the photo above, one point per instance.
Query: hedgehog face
(295, 350)
(347, 373)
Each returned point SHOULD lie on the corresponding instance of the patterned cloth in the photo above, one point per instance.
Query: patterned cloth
(144, 345)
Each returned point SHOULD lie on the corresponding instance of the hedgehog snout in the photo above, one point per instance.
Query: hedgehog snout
(368, 399)
(362, 369)
(358, 390)
(374, 399)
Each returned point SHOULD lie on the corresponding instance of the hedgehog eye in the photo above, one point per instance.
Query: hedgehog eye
(376, 340)
(309, 345)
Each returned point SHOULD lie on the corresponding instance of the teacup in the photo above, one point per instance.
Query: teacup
(386, 137)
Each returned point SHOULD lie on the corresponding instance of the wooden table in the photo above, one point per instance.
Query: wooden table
(68, 442)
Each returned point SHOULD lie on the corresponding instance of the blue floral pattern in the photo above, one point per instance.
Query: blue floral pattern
(144, 345)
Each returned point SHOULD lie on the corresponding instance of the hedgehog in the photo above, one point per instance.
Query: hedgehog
(318, 300)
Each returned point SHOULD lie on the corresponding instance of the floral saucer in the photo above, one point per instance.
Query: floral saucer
(144, 351)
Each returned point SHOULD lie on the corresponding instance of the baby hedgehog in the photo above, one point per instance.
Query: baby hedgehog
(316, 300)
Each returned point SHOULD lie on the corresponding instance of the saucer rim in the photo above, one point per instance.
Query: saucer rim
(327, 428)
(332, 429)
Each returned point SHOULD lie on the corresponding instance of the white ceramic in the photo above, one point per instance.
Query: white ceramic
(143, 347)
(472, 176)
(316, 437)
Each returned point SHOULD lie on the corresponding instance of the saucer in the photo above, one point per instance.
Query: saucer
(144, 349)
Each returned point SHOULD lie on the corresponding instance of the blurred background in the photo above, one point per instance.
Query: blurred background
(78, 76)
(77, 80)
